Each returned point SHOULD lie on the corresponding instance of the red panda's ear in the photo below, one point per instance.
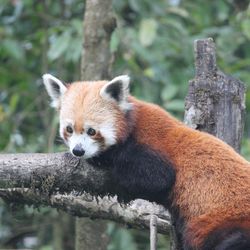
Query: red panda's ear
(117, 90)
(55, 89)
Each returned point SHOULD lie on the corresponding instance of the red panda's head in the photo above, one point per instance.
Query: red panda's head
(92, 114)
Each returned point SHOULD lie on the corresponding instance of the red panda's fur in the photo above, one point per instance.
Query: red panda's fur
(209, 194)
(80, 95)
(212, 187)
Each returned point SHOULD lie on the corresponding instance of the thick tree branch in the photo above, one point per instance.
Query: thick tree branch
(136, 214)
(51, 173)
(41, 179)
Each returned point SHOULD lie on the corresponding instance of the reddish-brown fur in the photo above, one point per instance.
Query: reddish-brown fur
(65, 134)
(82, 99)
(221, 220)
(212, 187)
(212, 180)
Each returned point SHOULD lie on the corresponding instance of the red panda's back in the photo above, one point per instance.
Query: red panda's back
(209, 173)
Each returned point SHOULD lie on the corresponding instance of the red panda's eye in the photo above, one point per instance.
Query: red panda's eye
(91, 132)
(69, 129)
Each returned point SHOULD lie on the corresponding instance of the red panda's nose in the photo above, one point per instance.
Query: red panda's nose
(78, 150)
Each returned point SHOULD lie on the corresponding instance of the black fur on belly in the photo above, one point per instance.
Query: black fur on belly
(138, 171)
(228, 239)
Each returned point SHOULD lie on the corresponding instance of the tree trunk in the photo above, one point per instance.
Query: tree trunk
(91, 234)
(99, 24)
(215, 102)
(63, 226)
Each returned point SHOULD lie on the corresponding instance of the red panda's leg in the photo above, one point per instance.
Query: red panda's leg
(143, 173)
(138, 171)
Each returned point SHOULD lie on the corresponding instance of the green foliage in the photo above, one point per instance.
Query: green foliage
(153, 44)
(147, 32)
(121, 238)
(66, 42)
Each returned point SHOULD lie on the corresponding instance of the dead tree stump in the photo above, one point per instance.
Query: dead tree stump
(215, 102)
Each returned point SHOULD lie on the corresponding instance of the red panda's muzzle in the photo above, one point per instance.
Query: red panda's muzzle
(78, 150)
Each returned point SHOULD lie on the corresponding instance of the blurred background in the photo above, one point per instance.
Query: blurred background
(153, 44)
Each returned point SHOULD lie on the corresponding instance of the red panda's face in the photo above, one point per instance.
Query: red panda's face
(92, 114)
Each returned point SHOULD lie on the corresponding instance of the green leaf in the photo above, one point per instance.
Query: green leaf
(73, 52)
(77, 26)
(178, 11)
(2, 114)
(175, 105)
(46, 247)
(13, 49)
(149, 72)
(169, 92)
(59, 46)
(147, 32)
(13, 102)
(135, 5)
(245, 25)
(114, 42)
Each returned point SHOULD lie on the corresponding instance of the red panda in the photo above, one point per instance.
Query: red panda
(203, 182)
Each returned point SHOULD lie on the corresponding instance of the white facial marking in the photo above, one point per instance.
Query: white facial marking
(90, 146)
(107, 131)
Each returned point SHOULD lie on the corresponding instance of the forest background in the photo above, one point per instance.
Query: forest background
(153, 43)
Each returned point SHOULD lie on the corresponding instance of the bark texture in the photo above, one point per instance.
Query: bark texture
(137, 214)
(98, 23)
(91, 234)
(215, 102)
(52, 173)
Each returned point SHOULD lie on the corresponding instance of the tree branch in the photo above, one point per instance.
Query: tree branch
(51, 173)
(41, 179)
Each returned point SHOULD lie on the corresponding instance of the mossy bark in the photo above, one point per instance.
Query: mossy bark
(215, 102)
